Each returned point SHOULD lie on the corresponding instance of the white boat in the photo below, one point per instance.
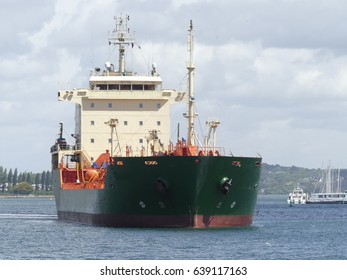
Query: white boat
(297, 197)
(330, 192)
(327, 198)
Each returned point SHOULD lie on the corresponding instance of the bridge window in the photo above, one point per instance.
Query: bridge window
(101, 87)
(113, 87)
(125, 87)
(137, 87)
(149, 87)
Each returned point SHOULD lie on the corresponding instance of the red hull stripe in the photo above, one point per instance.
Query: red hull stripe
(137, 221)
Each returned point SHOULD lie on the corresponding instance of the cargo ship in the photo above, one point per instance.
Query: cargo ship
(123, 170)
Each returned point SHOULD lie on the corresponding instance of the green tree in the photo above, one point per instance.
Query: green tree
(28, 178)
(1, 174)
(43, 180)
(20, 177)
(10, 177)
(3, 178)
(15, 177)
(48, 180)
(37, 181)
(23, 188)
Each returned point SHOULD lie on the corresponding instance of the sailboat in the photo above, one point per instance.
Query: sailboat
(330, 191)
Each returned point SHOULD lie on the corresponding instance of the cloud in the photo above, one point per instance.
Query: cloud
(274, 72)
(30, 81)
(183, 3)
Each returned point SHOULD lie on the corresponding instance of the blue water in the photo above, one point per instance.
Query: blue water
(30, 230)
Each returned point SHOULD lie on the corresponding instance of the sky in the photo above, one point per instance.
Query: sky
(273, 72)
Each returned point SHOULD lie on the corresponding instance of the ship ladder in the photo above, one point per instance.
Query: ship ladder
(102, 171)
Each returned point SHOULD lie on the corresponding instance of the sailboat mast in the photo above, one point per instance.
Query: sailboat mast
(190, 67)
(338, 189)
(328, 183)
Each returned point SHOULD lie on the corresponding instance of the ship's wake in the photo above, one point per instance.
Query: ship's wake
(25, 216)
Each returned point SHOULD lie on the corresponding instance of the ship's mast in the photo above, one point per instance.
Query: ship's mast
(190, 67)
(121, 36)
(60, 130)
(112, 123)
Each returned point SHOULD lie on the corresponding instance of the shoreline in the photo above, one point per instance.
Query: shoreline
(26, 196)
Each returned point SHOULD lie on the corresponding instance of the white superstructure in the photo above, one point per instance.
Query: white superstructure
(121, 111)
(297, 197)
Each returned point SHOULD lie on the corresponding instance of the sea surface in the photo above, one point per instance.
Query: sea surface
(30, 230)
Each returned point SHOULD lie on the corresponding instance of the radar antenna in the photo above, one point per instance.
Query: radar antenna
(121, 36)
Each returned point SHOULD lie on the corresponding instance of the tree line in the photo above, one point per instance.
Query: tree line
(276, 179)
(12, 181)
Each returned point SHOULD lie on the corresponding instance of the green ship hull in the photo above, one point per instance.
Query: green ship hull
(166, 191)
